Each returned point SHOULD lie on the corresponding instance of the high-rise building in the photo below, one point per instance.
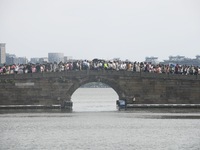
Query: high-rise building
(22, 60)
(56, 57)
(2, 53)
(11, 59)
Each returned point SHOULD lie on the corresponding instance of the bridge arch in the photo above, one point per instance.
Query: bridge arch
(110, 82)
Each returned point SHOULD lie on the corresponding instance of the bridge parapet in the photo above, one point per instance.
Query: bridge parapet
(99, 73)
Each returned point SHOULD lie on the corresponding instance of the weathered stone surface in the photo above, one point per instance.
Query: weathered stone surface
(56, 88)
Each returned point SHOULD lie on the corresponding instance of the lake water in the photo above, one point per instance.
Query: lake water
(95, 124)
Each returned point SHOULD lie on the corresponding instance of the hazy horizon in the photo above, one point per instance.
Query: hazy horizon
(89, 29)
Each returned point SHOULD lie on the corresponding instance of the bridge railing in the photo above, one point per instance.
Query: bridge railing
(100, 73)
(169, 76)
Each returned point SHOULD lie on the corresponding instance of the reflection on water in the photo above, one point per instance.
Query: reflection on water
(100, 127)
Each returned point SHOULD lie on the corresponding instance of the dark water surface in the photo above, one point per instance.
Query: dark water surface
(96, 125)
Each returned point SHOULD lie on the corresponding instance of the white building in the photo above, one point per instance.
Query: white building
(2, 53)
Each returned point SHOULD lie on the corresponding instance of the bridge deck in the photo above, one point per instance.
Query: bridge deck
(100, 73)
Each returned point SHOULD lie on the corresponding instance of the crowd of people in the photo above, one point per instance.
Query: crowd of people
(98, 64)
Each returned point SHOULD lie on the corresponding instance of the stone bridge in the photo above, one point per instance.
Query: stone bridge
(56, 88)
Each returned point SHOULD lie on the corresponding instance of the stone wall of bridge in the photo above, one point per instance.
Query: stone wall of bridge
(138, 88)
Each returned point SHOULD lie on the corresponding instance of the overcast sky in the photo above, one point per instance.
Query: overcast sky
(87, 29)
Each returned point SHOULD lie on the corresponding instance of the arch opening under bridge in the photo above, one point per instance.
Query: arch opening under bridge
(114, 88)
(94, 97)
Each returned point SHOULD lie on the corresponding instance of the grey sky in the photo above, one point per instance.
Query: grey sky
(87, 29)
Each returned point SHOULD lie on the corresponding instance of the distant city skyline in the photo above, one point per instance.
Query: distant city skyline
(52, 55)
(9, 59)
(56, 53)
(88, 29)
(142, 59)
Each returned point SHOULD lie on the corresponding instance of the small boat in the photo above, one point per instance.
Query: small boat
(121, 104)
